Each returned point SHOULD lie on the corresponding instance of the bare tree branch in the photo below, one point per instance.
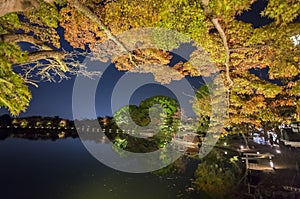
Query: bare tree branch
(27, 81)
(37, 71)
(47, 53)
(51, 69)
(56, 66)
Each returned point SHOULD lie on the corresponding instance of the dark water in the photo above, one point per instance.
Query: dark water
(63, 169)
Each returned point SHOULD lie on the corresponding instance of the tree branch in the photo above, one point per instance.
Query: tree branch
(88, 13)
(224, 39)
(57, 61)
(27, 81)
(58, 56)
(45, 54)
(205, 2)
(7, 6)
(227, 52)
(14, 38)
(56, 65)
(55, 69)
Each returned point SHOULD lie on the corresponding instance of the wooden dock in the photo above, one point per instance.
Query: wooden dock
(259, 161)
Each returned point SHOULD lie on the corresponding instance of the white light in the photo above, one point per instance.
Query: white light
(271, 164)
(257, 152)
(225, 152)
(296, 39)
(242, 147)
(278, 151)
(225, 144)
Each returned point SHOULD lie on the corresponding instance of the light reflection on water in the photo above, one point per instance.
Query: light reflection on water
(63, 169)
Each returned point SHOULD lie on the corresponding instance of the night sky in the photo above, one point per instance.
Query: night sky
(55, 99)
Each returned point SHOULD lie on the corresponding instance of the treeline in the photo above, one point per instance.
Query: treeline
(35, 122)
(38, 127)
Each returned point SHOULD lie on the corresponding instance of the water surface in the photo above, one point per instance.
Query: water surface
(63, 169)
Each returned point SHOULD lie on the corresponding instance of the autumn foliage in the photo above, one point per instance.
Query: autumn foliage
(240, 51)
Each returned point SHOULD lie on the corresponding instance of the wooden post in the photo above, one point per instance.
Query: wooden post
(247, 163)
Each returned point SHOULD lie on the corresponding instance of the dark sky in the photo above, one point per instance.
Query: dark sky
(52, 99)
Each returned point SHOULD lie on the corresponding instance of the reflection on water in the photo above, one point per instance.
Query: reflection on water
(65, 170)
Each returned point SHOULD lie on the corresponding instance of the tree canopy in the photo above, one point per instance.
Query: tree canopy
(240, 51)
(218, 175)
(156, 116)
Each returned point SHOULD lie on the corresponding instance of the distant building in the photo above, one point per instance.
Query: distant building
(295, 126)
(290, 135)
(63, 123)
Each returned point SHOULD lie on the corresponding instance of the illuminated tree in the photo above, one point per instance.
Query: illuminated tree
(45, 62)
(237, 48)
(163, 123)
(217, 175)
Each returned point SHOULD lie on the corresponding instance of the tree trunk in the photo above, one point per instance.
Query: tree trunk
(222, 34)
(7, 6)
(14, 38)
(35, 56)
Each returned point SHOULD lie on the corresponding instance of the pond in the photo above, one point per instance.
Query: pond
(63, 169)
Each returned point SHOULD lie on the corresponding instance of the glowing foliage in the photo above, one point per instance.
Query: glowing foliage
(80, 30)
(165, 120)
(150, 61)
(14, 93)
(9, 22)
(42, 23)
(47, 14)
(251, 99)
(228, 9)
(217, 175)
(123, 15)
(282, 12)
